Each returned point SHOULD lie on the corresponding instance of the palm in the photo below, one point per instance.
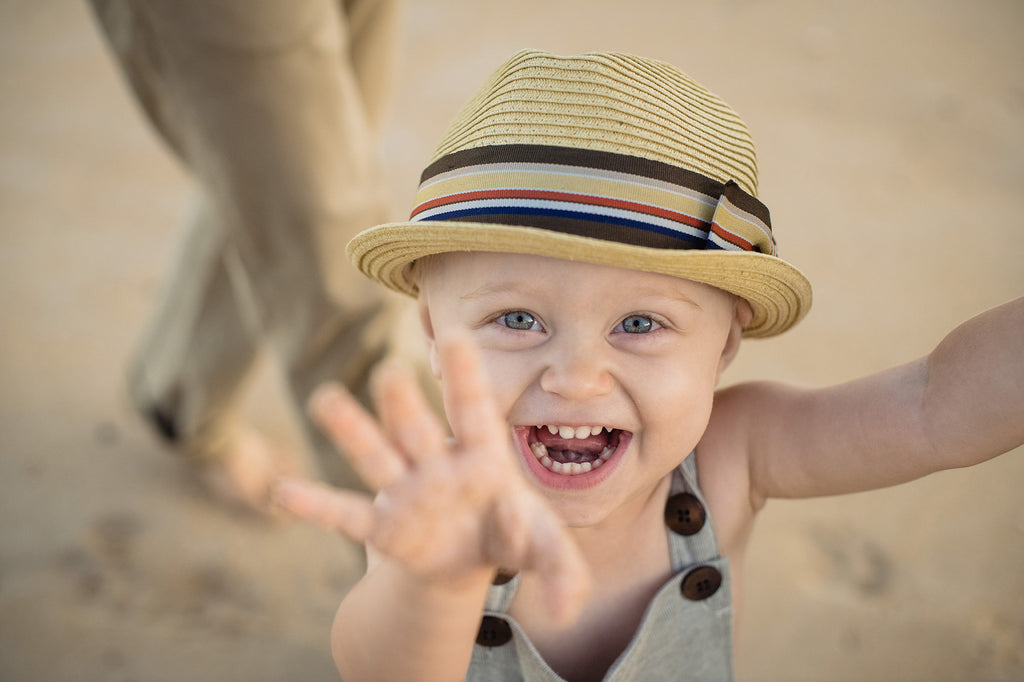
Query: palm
(444, 507)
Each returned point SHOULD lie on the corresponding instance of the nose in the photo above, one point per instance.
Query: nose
(576, 371)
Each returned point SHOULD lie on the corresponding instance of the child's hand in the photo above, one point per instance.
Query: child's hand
(446, 509)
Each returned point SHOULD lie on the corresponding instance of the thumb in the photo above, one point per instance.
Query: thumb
(529, 536)
(567, 584)
(564, 573)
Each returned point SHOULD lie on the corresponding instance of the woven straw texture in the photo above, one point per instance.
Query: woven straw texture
(608, 102)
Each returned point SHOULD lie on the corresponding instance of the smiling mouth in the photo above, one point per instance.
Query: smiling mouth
(573, 450)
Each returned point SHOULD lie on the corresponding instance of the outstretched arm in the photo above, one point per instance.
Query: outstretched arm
(960, 405)
(446, 516)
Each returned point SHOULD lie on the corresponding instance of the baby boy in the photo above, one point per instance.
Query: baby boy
(587, 252)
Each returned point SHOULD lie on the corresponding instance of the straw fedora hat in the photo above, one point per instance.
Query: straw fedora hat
(604, 158)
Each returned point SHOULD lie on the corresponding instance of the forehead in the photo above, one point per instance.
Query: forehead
(474, 274)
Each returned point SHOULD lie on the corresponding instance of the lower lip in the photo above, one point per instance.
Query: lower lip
(550, 479)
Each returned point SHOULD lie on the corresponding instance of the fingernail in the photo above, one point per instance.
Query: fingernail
(279, 491)
(324, 398)
(389, 368)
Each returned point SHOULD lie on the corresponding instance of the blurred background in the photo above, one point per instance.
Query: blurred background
(891, 145)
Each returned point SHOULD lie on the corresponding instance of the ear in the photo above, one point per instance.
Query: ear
(742, 316)
(428, 333)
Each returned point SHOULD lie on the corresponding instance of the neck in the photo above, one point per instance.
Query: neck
(632, 537)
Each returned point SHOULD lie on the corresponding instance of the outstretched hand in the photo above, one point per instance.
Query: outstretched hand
(445, 508)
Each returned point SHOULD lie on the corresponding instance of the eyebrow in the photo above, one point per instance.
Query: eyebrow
(488, 290)
(671, 293)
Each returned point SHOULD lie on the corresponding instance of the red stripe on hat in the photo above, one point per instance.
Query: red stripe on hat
(569, 197)
(731, 237)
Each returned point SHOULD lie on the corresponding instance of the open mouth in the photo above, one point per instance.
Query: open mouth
(573, 450)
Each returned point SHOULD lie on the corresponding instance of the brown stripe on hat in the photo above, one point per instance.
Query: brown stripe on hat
(583, 228)
(583, 158)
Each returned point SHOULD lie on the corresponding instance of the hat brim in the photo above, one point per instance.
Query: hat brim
(778, 293)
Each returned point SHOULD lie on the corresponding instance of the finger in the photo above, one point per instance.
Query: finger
(565, 575)
(529, 536)
(473, 415)
(405, 413)
(343, 511)
(358, 435)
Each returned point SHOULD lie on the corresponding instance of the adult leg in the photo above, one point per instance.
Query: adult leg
(200, 346)
(259, 100)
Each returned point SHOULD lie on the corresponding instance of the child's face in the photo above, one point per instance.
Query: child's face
(575, 345)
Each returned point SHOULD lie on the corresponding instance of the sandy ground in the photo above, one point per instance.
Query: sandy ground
(891, 139)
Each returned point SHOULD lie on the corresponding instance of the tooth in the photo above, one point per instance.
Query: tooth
(553, 429)
(557, 467)
(547, 461)
(581, 431)
(607, 452)
(566, 432)
(596, 463)
(594, 430)
(608, 429)
(539, 450)
(586, 467)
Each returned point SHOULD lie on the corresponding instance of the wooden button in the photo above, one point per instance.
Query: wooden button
(493, 632)
(701, 583)
(684, 514)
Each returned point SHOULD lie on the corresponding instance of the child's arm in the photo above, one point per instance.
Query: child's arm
(960, 405)
(447, 515)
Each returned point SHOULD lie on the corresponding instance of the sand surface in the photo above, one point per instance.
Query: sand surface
(891, 140)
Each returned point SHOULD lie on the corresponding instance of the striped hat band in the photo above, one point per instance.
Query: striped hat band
(598, 194)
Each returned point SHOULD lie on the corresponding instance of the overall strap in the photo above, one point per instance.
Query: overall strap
(690, 538)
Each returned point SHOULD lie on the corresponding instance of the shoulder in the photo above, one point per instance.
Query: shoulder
(724, 464)
(737, 412)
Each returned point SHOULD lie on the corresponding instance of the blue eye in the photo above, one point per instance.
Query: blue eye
(519, 319)
(637, 324)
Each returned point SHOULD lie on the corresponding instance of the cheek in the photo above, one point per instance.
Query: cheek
(675, 405)
(506, 376)
(506, 379)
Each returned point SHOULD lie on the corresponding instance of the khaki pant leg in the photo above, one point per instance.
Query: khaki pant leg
(200, 348)
(260, 100)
